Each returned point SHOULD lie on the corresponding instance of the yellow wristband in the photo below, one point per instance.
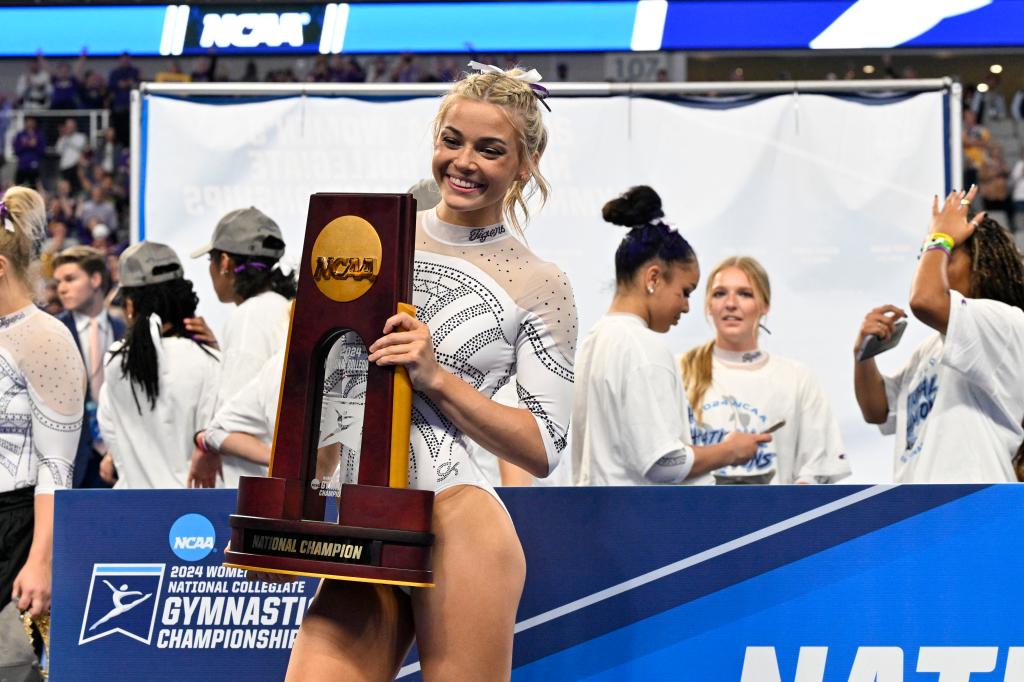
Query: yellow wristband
(944, 237)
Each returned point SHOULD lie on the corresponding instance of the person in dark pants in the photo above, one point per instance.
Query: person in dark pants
(82, 283)
(122, 81)
(29, 147)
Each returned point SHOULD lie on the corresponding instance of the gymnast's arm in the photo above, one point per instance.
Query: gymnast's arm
(690, 462)
(511, 433)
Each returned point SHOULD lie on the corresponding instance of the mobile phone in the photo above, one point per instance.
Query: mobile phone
(873, 345)
(744, 479)
(775, 427)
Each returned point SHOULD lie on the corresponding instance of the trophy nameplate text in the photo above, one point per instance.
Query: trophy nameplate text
(355, 273)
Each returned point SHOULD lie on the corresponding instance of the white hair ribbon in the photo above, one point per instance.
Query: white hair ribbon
(530, 77)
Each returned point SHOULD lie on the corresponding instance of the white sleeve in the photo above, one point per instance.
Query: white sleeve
(653, 420)
(985, 345)
(672, 468)
(105, 415)
(240, 365)
(819, 448)
(249, 341)
(207, 403)
(55, 376)
(247, 412)
(544, 367)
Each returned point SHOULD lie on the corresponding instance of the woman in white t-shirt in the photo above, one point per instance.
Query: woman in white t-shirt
(956, 407)
(244, 269)
(734, 385)
(42, 380)
(629, 417)
(160, 383)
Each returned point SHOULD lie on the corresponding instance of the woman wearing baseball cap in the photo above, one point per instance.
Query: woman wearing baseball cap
(160, 381)
(244, 254)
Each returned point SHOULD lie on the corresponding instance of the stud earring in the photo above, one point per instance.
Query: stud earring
(650, 290)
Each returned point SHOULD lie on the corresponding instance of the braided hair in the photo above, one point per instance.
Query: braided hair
(520, 103)
(23, 210)
(649, 238)
(997, 273)
(172, 301)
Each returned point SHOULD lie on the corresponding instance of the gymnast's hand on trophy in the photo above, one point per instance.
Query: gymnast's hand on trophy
(32, 587)
(206, 466)
(407, 343)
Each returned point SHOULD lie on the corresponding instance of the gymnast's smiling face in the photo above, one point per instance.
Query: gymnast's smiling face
(476, 160)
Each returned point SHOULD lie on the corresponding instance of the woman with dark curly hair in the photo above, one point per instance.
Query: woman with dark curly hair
(956, 407)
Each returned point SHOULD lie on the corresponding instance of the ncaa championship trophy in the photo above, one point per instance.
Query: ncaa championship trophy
(355, 272)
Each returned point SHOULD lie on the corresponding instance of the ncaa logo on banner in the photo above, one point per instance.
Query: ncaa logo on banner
(122, 598)
(192, 537)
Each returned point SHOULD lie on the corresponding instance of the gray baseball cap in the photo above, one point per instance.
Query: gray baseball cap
(426, 193)
(148, 263)
(244, 232)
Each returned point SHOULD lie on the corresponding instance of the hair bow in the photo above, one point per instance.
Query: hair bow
(5, 217)
(532, 78)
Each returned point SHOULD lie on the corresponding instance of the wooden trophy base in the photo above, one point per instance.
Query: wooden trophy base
(382, 534)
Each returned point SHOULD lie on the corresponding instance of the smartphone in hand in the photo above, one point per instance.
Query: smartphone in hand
(873, 345)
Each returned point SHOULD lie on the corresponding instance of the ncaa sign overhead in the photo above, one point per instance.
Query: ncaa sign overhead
(253, 29)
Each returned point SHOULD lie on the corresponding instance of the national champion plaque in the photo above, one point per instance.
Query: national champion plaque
(355, 273)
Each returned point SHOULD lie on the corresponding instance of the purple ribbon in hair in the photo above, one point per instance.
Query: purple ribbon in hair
(254, 265)
(541, 93)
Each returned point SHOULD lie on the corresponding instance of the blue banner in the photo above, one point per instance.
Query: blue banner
(749, 584)
(510, 26)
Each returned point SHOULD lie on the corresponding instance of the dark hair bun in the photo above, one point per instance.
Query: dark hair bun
(638, 206)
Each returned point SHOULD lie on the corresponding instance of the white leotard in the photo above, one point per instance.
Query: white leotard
(42, 392)
(495, 311)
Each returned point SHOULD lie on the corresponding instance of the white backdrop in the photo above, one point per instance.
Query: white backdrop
(831, 194)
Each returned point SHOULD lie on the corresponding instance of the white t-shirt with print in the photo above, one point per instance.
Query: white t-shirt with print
(749, 397)
(630, 408)
(956, 407)
(154, 449)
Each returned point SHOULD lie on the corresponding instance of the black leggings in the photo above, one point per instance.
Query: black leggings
(17, 512)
